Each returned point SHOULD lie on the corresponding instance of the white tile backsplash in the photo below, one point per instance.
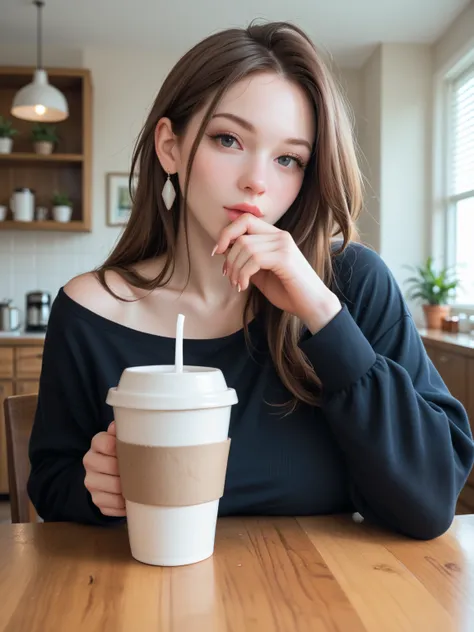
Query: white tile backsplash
(24, 243)
(46, 261)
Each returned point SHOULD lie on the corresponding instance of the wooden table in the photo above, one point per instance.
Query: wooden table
(283, 574)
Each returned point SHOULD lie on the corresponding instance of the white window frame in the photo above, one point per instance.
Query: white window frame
(443, 215)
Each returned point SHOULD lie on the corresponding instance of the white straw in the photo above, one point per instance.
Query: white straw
(178, 360)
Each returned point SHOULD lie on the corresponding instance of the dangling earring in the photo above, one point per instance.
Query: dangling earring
(168, 194)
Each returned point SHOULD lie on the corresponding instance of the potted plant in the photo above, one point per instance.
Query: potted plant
(7, 131)
(44, 137)
(62, 207)
(434, 289)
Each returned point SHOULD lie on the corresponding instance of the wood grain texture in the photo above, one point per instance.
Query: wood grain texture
(18, 340)
(27, 156)
(266, 575)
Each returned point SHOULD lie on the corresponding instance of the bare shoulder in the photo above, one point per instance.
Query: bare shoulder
(87, 290)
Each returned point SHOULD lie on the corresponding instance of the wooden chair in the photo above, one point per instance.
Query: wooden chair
(20, 412)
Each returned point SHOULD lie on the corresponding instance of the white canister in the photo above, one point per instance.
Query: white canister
(6, 145)
(22, 203)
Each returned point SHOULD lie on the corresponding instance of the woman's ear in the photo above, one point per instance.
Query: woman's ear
(166, 145)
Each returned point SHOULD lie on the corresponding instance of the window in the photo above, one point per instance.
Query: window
(460, 223)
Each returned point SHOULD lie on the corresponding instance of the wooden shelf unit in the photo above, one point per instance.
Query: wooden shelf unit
(29, 157)
(71, 226)
(68, 169)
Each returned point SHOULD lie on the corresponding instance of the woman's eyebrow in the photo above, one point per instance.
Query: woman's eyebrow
(249, 127)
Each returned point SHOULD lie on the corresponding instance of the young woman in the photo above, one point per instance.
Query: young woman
(243, 221)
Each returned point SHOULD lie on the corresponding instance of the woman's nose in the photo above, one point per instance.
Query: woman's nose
(253, 180)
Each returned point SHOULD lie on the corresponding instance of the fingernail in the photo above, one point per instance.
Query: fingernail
(239, 289)
(214, 250)
(224, 270)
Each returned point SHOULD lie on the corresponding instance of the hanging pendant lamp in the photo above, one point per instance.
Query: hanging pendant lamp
(39, 100)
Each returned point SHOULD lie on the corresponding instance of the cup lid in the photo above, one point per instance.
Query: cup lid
(162, 388)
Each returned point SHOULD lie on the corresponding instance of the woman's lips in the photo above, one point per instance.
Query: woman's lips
(234, 212)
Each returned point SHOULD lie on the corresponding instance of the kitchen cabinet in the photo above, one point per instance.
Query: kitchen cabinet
(20, 368)
(453, 357)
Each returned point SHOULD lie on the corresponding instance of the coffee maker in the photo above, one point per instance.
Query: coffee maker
(38, 307)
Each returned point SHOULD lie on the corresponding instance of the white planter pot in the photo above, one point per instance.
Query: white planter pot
(6, 145)
(62, 213)
(45, 148)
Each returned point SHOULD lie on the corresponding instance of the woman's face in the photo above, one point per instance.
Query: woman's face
(254, 151)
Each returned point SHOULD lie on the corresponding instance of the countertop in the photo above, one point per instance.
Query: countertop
(441, 338)
(8, 339)
(464, 343)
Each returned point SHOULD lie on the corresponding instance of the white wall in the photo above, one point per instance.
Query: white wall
(124, 86)
(396, 143)
(371, 148)
(405, 160)
(457, 40)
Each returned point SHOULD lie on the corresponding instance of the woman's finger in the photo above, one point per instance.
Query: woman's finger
(108, 501)
(244, 248)
(104, 443)
(100, 463)
(246, 223)
(244, 251)
(96, 482)
(116, 513)
(250, 268)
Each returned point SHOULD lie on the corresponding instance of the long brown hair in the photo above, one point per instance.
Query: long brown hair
(327, 204)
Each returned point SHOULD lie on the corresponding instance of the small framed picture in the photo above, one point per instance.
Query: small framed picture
(119, 203)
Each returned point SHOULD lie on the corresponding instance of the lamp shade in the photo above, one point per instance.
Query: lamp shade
(40, 101)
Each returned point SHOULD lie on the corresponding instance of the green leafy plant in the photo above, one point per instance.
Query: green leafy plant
(431, 286)
(44, 132)
(61, 199)
(6, 128)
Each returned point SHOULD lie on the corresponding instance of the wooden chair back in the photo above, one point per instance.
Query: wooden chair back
(20, 412)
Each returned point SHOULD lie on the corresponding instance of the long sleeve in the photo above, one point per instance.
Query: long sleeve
(406, 440)
(66, 419)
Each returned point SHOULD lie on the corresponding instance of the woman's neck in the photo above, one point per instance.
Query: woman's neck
(206, 286)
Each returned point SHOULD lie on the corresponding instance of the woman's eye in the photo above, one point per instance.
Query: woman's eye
(285, 161)
(226, 140)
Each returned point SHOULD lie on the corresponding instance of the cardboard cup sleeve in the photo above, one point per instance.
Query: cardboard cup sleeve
(172, 476)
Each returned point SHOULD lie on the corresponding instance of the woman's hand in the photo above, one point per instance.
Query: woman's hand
(102, 474)
(259, 253)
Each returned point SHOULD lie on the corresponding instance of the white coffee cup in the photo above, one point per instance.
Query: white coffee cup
(156, 406)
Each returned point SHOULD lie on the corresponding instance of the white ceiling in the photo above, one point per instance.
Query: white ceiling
(348, 29)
